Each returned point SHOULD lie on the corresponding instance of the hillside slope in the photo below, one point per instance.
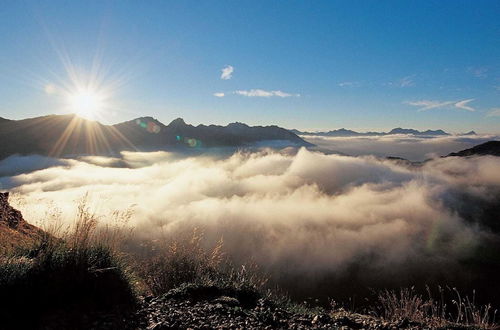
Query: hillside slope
(491, 148)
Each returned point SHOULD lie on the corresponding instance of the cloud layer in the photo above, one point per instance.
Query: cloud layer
(294, 212)
(413, 148)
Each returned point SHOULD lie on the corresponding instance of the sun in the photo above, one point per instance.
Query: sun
(87, 102)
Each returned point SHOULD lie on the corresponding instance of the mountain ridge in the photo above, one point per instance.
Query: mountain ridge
(342, 132)
(66, 135)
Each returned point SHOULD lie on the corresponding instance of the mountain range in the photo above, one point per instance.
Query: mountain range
(346, 132)
(65, 135)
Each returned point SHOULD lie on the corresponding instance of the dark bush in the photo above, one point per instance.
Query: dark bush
(63, 285)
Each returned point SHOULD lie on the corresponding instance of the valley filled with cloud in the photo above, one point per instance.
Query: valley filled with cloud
(324, 218)
(411, 147)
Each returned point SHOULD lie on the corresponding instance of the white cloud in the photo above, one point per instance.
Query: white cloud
(227, 72)
(414, 148)
(406, 81)
(283, 94)
(276, 208)
(429, 104)
(463, 105)
(219, 94)
(349, 84)
(402, 83)
(264, 93)
(494, 112)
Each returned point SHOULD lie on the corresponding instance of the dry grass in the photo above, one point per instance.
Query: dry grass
(407, 304)
(186, 261)
(468, 312)
(77, 270)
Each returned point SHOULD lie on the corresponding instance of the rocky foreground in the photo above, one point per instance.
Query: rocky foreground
(209, 307)
(195, 307)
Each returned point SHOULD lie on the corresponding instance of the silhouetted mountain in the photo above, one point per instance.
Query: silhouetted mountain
(488, 148)
(469, 133)
(400, 130)
(59, 135)
(347, 132)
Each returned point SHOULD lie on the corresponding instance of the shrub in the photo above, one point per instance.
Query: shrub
(64, 280)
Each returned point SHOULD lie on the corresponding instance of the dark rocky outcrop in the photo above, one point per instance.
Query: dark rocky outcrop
(191, 307)
(14, 230)
(8, 215)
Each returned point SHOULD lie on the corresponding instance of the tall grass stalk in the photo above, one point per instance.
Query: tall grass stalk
(407, 304)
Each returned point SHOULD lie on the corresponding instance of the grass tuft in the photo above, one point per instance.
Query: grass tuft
(64, 280)
(186, 261)
(408, 304)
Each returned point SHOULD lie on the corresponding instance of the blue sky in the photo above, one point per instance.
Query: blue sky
(365, 65)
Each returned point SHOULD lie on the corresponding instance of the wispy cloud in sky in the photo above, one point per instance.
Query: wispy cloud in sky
(463, 105)
(429, 104)
(494, 112)
(227, 72)
(264, 93)
(220, 94)
(478, 72)
(349, 84)
(406, 81)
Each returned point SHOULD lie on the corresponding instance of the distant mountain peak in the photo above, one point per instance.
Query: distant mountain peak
(177, 122)
(399, 130)
(149, 119)
(238, 125)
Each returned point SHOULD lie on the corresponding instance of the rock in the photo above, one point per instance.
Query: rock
(225, 300)
(15, 232)
(8, 214)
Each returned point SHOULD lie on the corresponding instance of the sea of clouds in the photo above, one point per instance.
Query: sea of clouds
(414, 148)
(297, 213)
